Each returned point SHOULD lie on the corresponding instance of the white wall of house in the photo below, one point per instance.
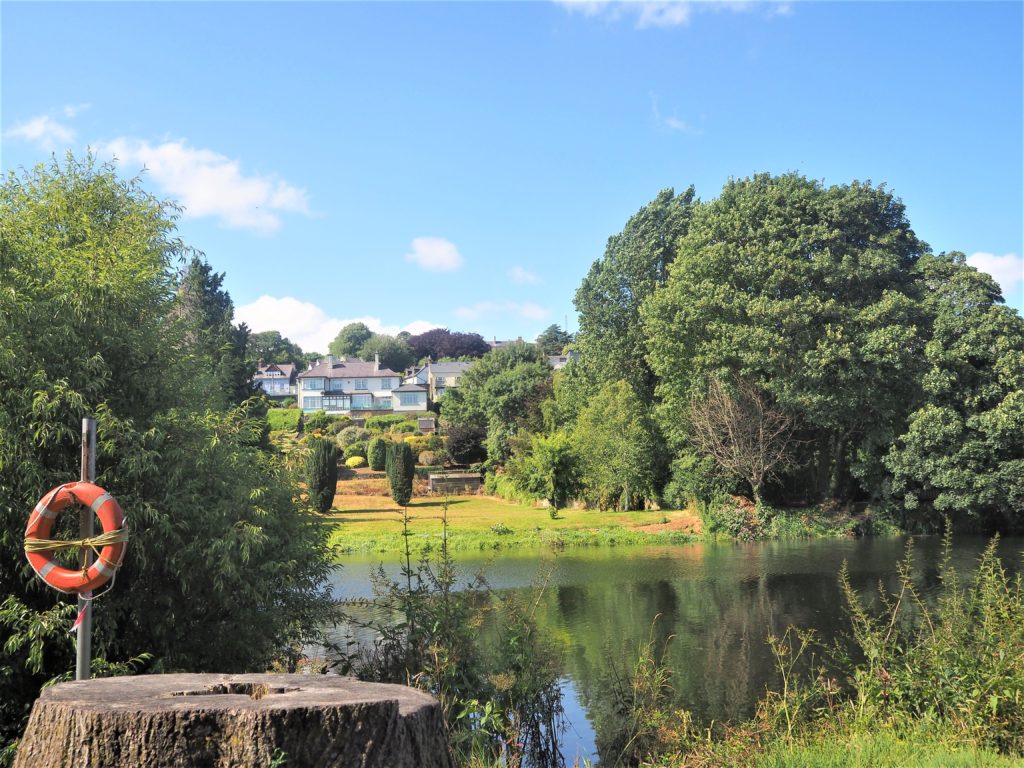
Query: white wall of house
(342, 395)
(409, 401)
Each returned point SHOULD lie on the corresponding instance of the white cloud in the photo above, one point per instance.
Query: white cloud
(308, 325)
(1008, 269)
(666, 13)
(523, 277)
(672, 122)
(525, 310)
(434, 254)
(71, 110)
(207, 183)
(43, 131)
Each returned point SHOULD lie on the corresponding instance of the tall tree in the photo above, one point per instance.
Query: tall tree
(616, 441)
(272, 347)
(552, 340)
(205, 311)
(501, 392)
(88, 327)
(439, 343)
(807, 292)
(350, 340)
(963, 452)
(393, 352)
(611, 340)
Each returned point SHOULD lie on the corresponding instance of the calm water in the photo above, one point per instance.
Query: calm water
(715, 603)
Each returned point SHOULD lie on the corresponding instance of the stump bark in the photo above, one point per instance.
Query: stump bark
(233, 721)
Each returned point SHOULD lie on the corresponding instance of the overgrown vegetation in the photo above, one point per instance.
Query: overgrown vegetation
(94, 322)
(941, 679)
(502, 706)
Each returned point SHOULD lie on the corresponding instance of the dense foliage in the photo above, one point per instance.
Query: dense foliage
(321, 472)
(377, 453)
(440, 343)
(350, 340)
(223, 571)
(401, 468)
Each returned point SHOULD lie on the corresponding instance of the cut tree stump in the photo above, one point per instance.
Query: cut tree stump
(233, 721)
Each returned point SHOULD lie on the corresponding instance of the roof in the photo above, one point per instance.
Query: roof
(287, 369)
(410, 388)
(345, 369)
(443, 368)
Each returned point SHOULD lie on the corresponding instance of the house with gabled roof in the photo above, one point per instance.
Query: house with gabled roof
(277, 380)
(352, 387)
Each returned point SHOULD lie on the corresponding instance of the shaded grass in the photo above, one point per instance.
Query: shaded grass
(372, 523)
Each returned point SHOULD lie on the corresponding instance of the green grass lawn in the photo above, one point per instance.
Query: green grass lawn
(372, 523)
(882, 750)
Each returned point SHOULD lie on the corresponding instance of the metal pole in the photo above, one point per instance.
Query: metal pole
(83, 659)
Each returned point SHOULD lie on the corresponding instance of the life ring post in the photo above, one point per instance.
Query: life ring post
(83, 656)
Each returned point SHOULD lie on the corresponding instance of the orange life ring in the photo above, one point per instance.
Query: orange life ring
(40, 525)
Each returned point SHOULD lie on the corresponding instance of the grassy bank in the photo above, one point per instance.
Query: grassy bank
(372, 523)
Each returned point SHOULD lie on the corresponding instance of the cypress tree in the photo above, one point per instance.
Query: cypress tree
(377, 454)
(322, 473)
(400, 468)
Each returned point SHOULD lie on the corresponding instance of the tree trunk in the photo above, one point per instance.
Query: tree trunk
(233, 721)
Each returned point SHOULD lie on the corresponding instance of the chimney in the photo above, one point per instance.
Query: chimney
(376, 362)
(330, 362)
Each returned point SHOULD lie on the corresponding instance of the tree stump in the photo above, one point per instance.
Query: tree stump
(233, 721)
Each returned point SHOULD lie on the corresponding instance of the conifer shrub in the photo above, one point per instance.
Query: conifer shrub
(355, 449)
(400, 468)
(377, 453)
(321, 473)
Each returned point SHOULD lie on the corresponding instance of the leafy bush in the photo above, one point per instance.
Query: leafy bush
(350, 435)
(377, 453)
(503, 486)
(354, 462)
(427, 459)
(465, 444)
(696, 479)
(318, 421)
(355, 449)
(321, 472)
(405, 428)
(384, 422)
(418, 443)
(733, 515)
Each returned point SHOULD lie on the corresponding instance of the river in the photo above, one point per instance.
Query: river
(715, 605)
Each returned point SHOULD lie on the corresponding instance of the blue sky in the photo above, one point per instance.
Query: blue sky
(463, 164)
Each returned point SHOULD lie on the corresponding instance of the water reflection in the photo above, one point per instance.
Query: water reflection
(715, 603)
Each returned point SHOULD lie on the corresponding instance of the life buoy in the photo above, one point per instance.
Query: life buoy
(40, 525)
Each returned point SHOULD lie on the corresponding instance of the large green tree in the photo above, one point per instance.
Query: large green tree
(616, 441)
(807, 292)
(205, 311)
(962, 455)
(611, 339)
(272, 347)
(553, 339)
(223, 572)
(394, 353)
(502, 392)
(350, 340)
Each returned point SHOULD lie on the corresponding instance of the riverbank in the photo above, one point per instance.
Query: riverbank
(372, 523)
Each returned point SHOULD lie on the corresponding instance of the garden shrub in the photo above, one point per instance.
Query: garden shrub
(465, 444)
(318, 421)
(350, 435)
(354, 462)
(281, 418)
(427, 459)
(418, 443)
(376, 453)
(384, 422)
(355, 449)
(400, 468)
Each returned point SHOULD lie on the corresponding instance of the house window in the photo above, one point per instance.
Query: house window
(361, 384)
(313, 384)
(383, 403)
(409, 398)
(439, 381)
(312, 403)
(385, 383)
(336, 385)
(336, 403)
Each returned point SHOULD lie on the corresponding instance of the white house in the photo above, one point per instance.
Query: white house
(277, 380)
(351, 387)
